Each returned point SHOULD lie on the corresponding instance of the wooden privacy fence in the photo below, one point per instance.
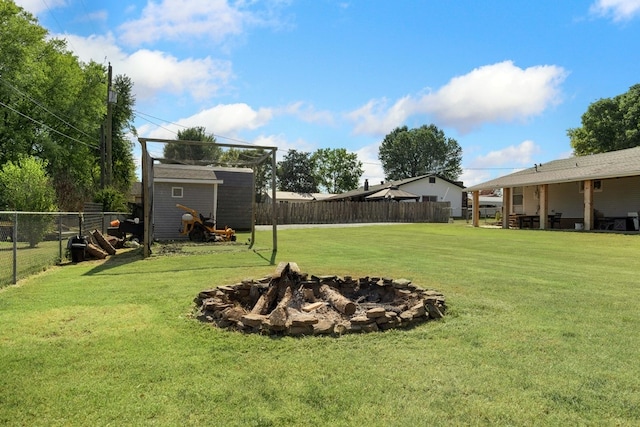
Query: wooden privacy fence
(353, 212)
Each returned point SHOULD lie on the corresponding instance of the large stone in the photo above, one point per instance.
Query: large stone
(361, 320)
(253, 320)
(406, 316)
(418, 310)
(401, 283)
(375, 312)
(303, 319)
(323, 327)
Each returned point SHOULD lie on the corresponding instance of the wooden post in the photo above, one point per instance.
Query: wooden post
(588, 204)
(506, 206)
(544, 206)
(476, 209)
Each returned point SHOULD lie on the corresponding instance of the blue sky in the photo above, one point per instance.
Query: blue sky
(505, 78)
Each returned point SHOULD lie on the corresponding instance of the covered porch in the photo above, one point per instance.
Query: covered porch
(596, 192)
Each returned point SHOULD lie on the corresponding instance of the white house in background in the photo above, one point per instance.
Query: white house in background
(293, 197)
(426, 188)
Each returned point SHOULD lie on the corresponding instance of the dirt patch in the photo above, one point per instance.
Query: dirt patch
(293, 303)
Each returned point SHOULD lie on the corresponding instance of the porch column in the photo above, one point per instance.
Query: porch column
(588, 204)
(544, 206)
(506, 206)
(215, 205)
(476, 209)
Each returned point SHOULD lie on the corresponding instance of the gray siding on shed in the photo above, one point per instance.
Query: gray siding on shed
(167, 218)
(235, 197)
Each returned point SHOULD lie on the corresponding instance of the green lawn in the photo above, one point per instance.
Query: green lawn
(29, 260)
(542, 329)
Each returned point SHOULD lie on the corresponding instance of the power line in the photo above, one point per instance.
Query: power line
(44, 108)
(153, 123)
(46, 5)
(47, 126)
(185, 127)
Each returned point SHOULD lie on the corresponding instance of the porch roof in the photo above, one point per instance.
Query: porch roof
(614, 164)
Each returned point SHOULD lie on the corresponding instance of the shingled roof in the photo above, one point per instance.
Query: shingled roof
(373, 188)
(184, 173)
(614, 164)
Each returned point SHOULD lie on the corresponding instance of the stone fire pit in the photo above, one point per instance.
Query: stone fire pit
(293, 303)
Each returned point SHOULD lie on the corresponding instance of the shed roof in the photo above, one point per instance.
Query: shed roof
(184, 173)
(614, 164)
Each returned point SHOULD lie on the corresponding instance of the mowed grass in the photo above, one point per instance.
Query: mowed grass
(30, 260)
(542, 329)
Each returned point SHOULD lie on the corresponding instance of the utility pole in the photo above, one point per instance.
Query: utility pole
(103, 167)
(111, 99)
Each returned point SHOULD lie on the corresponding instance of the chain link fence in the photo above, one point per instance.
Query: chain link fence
(32, 241)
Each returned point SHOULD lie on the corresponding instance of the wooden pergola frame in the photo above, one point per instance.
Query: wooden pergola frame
(147, 187)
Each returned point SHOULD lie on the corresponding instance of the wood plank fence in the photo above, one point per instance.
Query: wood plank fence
(353, 212)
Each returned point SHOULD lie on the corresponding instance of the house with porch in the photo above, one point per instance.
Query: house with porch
(593, 192)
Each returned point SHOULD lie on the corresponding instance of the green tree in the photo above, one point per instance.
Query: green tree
(407, 153)
(193, 153)
(25, 186)
(52, 108)
(20, 40)
(295, 172)
(336, 170)
(112, 199)
(122, 127)
(609, 124)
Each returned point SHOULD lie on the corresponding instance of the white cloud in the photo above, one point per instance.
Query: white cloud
(214, 20)
(230, 118)
(225, 120)
(154, 71)
(495, 93)
(37, 6)
(371, 165)
(521, 154)
(618, 10)
(485, 167)
(283, 144)
(307, 113)
(376, 118)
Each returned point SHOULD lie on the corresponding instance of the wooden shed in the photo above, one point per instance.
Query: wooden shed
(224, 194)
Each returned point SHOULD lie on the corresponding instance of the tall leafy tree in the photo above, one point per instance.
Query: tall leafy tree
(122, 130)
(407, 153)
(21, 39)
(52, 108)
(609, 124)
(193, 153)
(336, 170)
(295, 172)
(25, 186)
